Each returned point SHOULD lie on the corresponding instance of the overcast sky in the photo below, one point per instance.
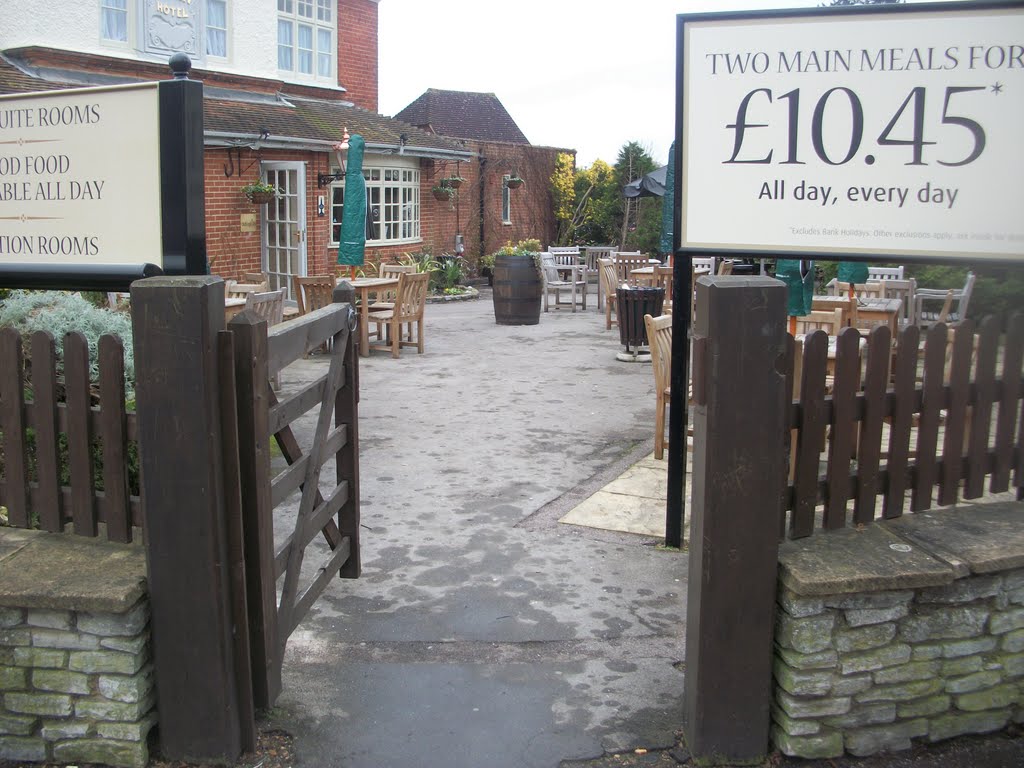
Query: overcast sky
(578, 74)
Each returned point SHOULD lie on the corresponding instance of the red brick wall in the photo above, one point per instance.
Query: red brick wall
(357, 51)
(232, 251)
(532, 207)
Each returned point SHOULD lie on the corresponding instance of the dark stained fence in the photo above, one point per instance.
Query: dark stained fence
(66, 446)
(883, 429)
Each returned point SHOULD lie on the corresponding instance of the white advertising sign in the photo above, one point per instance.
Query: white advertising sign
(864, 133)
(80, 177)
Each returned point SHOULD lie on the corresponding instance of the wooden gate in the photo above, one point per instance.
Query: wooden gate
(251, 355)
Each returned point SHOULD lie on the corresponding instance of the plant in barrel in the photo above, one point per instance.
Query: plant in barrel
(518, 286)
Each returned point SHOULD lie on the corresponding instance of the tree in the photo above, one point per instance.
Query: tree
(635, 224)
(563, 193)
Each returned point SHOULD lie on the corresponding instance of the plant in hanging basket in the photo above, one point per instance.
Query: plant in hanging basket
(443, 192)
(453, 181)
(259, 193)
(514, 182)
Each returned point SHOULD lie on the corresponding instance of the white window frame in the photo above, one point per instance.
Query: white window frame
(290, 12)
(227, 31)
(129, 21)
(506, 200)
(398, 200)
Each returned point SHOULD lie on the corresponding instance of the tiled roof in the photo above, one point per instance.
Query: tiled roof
(286, 116)
(463, 115)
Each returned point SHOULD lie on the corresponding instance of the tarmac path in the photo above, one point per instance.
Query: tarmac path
(483, 633)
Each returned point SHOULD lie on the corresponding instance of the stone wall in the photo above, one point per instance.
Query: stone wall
(76, 677)
(929, 648)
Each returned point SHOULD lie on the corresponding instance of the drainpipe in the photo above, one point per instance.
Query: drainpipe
(483, 190)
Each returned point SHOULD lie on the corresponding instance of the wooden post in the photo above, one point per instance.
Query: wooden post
(175, 322)
(346, 411)
(738, 471)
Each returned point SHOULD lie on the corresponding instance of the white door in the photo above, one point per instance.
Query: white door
(284, 226)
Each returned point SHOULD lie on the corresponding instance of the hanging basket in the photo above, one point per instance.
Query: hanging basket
(454, 182)
(514, 183)
(261, 198)
(442, 194)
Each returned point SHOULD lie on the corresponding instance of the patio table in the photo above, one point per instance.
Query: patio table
(364, 286)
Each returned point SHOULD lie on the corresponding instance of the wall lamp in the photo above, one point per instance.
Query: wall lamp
(341, 155)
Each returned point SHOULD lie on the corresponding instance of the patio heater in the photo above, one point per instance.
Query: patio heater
(632, 305)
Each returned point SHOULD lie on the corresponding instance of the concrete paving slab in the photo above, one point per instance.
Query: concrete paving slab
(566, 638)
(620, 512)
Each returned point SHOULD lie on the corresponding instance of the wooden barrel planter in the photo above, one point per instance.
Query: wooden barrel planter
(517, 291)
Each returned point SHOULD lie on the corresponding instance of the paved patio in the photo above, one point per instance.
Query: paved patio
(484, 632)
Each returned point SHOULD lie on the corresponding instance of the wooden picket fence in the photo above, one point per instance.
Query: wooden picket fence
(65, 459)
(896, 423)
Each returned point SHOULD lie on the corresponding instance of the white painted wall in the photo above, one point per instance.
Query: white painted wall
(74, 25)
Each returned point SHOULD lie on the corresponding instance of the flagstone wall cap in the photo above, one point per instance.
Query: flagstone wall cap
(858, 560)
(923, 549)
(971, 538)
(56, 571)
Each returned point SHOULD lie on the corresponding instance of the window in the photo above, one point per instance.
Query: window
(217, 28)
(393, 201)
(114, 20)
(506, 200)
(305, 38)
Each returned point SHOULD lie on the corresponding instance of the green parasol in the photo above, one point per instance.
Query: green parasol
(853, 272)
(798, 275)
(353, 217)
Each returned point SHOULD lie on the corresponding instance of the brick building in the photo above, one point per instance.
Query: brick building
(488, 213)
(281, 83)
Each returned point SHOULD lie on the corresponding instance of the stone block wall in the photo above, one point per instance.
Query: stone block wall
(76, 686)
(76, 672)
(872, 671)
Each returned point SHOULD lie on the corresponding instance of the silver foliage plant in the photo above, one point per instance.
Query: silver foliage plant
(60, 312)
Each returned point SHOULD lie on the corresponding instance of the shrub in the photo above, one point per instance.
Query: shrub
(60, 312)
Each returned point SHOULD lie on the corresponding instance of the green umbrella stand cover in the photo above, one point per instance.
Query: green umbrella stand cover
(798, 275)
(352, 245)
(853, 272)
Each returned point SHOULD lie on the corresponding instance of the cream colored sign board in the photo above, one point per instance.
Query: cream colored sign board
(80, 177)
(877, 133)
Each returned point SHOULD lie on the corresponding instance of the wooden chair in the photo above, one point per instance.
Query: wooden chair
(659, 338)
(880, 274)
(609, 282)
(906, 291)
(663, 279)
(626, 262)
(254, 277)
(830, 321)
(313, 292)
(553, 282)
(703, 264)
(725, 268)
(270, 307)
(236, 290)
(568, 251)
(954, 308)
(387, 297)
(412, 299)
(860, 290)
(595, 252)
(846, 304)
